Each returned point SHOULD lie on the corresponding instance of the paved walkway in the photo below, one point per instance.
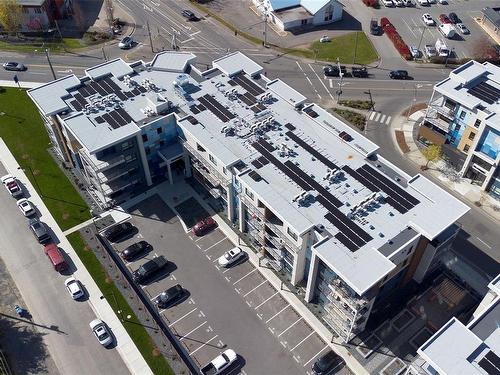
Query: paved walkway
(125, 346)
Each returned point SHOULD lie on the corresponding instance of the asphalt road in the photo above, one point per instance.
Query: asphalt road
(64, 323)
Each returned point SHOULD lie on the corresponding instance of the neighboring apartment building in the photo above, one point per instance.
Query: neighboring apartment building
(312, 193)
(464, 114)
(293, 14)
(39, 15)
(458, 349)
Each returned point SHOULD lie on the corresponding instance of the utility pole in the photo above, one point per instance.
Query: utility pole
(104, 54)
(369, 92)
(150, 38)
(341, 76)
(50, 63)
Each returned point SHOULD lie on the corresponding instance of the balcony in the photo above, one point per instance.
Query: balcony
(276, 265)
(104, 163)
(433, 117)
(205, 167)
(118, 184)
(441, 108)
(276, 253)
(278, 229)
(355, 303)
(252, 210)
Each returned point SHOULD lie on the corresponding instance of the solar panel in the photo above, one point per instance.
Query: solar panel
(248, 85)
(99, 120)
(142, 89)
(488, 367)
(261, 107)
(231, 82)
(311, 112)
(106, 87)
(121, 95)
(99, 89)
(485, 92)
(220, 107)
(91, 89)
(114, 124)
(136, 91)
(493, 358)
(256, 164)
(263, 160)
(255, 109)
(80, 99)
(290, 127)
(112, 84)
(246, 100)
(125, 115)
(266, 145)
(212, 109)
(343, 239)
(129, 94)
(314, 152)
(118, 118)
(194, 109)
(76, 105)
(83, 91)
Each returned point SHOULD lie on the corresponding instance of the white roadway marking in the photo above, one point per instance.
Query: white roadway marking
(409, 28)
(193, 34)
(187, 40)
(252, 271)
(372, 115)
(305, 338)
(204, 344)
(314, 356)
(194, 329)
(377, 117)
(388, 120)
(215, 244)
(279, 312)
(321, 81)
(299, 65)
(182, 317)
(298, 320)
(331, 83)
(488, 246)
(262, 283)
(382, 119)
(267, 299)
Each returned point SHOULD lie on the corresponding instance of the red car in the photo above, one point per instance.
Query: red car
(204, 226)
(444, 18)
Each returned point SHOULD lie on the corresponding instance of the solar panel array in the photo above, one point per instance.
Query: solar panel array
(311, 112)
(314, 152)
(248, 99)
(486, 92)
(216, 108)
(115, 118)
(490, 363)
(248, 85)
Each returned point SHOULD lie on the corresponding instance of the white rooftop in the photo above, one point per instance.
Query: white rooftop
(49, 97)
(173, 61)
(237, 62)
(117, 68)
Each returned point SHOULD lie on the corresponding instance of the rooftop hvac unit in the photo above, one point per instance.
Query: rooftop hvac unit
(181, 80)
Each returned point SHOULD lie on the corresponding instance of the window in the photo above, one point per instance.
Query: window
(471, 136)
(249, 193)
(329, 13)
(477, 123)
(159, 131)
(200, 148)
(212, 159)
(457, 127)
(292, 234)
(224, 170)
(127, 145)
(462, 115)
(303, 22)
(38, 10)
(466, 148)
(144, 137)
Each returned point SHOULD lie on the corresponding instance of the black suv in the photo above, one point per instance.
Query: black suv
(453, 18)
(135, 249)
(398, 74)
(326, 363)
(374, 27)
(333, 70)
(189, 15)
(118, 231)
(361, 72)
(167, 297)
(148, 269)
(40, 231)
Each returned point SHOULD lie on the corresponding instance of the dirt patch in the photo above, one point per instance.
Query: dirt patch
(400, 138)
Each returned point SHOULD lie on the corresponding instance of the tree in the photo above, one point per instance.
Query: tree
(485, 51)
(11, 15)
(432, 153)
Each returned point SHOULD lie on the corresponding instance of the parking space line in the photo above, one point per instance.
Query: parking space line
(215, 244)
(256, 307)
(182, 317)
(204, 344)
(409, 28)
(309, 335)
(298, 320)
(194, 329)
(252, 271)
(226, 270)
(331, 83)
(215, 260)
(262, 283)
(314, 356)
(319, 79)
(279, 312)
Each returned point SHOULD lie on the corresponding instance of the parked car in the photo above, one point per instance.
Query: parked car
(231, 256)
(74, 288)
(333, 70)
(398, 3)
(55, 257)
(189, 15)
(398, 74)
(26, 207)
(169, 296)
(118, 231)
(447, 30)
(408, 3)
(101, 332)
(443, 18)
(40, 231)
(14, 66)
(430, 50)
(424, 3)
(453, 18)
(135, 249)
(443, 2)
(220, 363)
(326, 363)
(126, 43)
(12, 185)
(414, 51)
(359, 72)
(374, 27)
(324, 39)
(388, 3)
(204, 226)
(148, 269)
(462, 28)
(428, 20)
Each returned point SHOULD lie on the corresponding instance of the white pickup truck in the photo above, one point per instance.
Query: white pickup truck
(220, 363)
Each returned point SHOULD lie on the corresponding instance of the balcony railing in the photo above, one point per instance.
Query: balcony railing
(118, 184)
(276, 253)
(278, 230)
(356, 303)
(439, 106)
(434, 119)
(216, 177)
(254, 211)
(104, 163)
(276, 265)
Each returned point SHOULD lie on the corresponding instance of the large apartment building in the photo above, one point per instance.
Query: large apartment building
(464, 115)
(314, 195)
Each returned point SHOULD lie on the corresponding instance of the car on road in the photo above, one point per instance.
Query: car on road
(14, 66)
(428, 20)
(443, 18)
(126, 43)
(74, 288)
(374, 27)
(12, 185)
(453, 18)
(359, 72)
(148, 269)
(119, 231)
(40, 231)
(132, 251)
(204, 226)
(325, 364)
(189, 15)
(101, 332)
(398, 74)
(169, 296)
(26, 207)
(231, 256)
(430, 50)
(414, 51)
(333, 70)
(324, 39)
(388, 3)
(220, 363)
(462, 28)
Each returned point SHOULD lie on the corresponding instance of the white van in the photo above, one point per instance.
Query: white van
(447, 30)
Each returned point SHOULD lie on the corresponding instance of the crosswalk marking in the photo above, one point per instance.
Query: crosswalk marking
(331, 83)
(388, 120)
(382, 119)
(377, 117)
(372, 115)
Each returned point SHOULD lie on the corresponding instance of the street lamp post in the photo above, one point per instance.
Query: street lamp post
(341, 78)
(46, 50)
(119, 311)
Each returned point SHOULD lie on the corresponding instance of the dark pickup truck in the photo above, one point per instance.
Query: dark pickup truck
(148, 269)
(359, 72)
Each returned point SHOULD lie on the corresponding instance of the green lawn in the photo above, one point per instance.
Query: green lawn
(134, 327)
(66, 44)
(23, 131)
(346, 49)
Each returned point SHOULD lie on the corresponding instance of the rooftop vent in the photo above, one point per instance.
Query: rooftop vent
(345, 136)
(181, 80)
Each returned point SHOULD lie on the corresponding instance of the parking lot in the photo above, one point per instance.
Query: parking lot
(222, 308)
(409, 24)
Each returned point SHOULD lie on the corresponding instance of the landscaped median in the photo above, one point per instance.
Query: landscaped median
(22, 130)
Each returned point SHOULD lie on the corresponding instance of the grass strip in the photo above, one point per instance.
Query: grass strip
(358, 104)
(133, 326)
(23, 131)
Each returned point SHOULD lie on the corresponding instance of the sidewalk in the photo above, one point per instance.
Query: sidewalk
(125, 346)
(471, 193)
